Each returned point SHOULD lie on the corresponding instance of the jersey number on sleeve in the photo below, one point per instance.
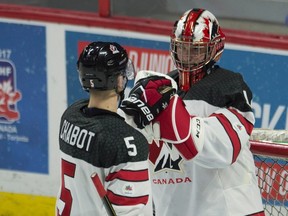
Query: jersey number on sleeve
(68, 169)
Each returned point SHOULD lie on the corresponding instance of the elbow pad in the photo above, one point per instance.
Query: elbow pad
(179, 128)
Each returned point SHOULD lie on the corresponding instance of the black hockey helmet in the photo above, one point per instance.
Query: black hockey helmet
(100, 64)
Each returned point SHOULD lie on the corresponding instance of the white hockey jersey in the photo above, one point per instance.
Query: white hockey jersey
(220, 180)
(98, 141)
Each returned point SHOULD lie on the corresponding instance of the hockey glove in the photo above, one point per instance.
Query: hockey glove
(147, 99)
(178, 127)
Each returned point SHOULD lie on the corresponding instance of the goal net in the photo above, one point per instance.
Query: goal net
(270, 150)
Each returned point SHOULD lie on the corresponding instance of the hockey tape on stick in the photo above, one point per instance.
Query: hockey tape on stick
(103, 194)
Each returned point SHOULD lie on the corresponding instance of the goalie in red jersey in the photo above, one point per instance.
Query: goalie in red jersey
(201, 163)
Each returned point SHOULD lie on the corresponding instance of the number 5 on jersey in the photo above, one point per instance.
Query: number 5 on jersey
(132, 150)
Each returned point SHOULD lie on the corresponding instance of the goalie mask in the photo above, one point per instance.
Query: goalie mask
(101, 63)
(197, 43)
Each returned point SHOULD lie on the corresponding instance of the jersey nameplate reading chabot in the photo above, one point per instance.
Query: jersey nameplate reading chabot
(74, 135)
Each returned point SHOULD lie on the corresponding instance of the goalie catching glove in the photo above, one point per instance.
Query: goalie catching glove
(147, 99)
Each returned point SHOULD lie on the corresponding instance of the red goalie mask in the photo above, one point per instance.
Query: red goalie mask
(197, 40)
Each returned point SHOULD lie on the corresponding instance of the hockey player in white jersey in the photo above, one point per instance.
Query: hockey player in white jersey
(200, 152)
(95, 141)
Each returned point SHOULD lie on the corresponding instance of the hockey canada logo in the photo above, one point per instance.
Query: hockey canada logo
(167, 158)
(128, 189)
(114, 49)
(9, 95)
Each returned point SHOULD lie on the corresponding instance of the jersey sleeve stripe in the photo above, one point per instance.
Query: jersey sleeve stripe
(129, 175)
(232, 134)
(247, 124)
(116, 199)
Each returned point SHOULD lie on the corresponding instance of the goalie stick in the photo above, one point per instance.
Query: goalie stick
(103, 194)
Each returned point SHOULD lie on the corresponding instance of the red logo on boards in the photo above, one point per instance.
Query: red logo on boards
(9, 95)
